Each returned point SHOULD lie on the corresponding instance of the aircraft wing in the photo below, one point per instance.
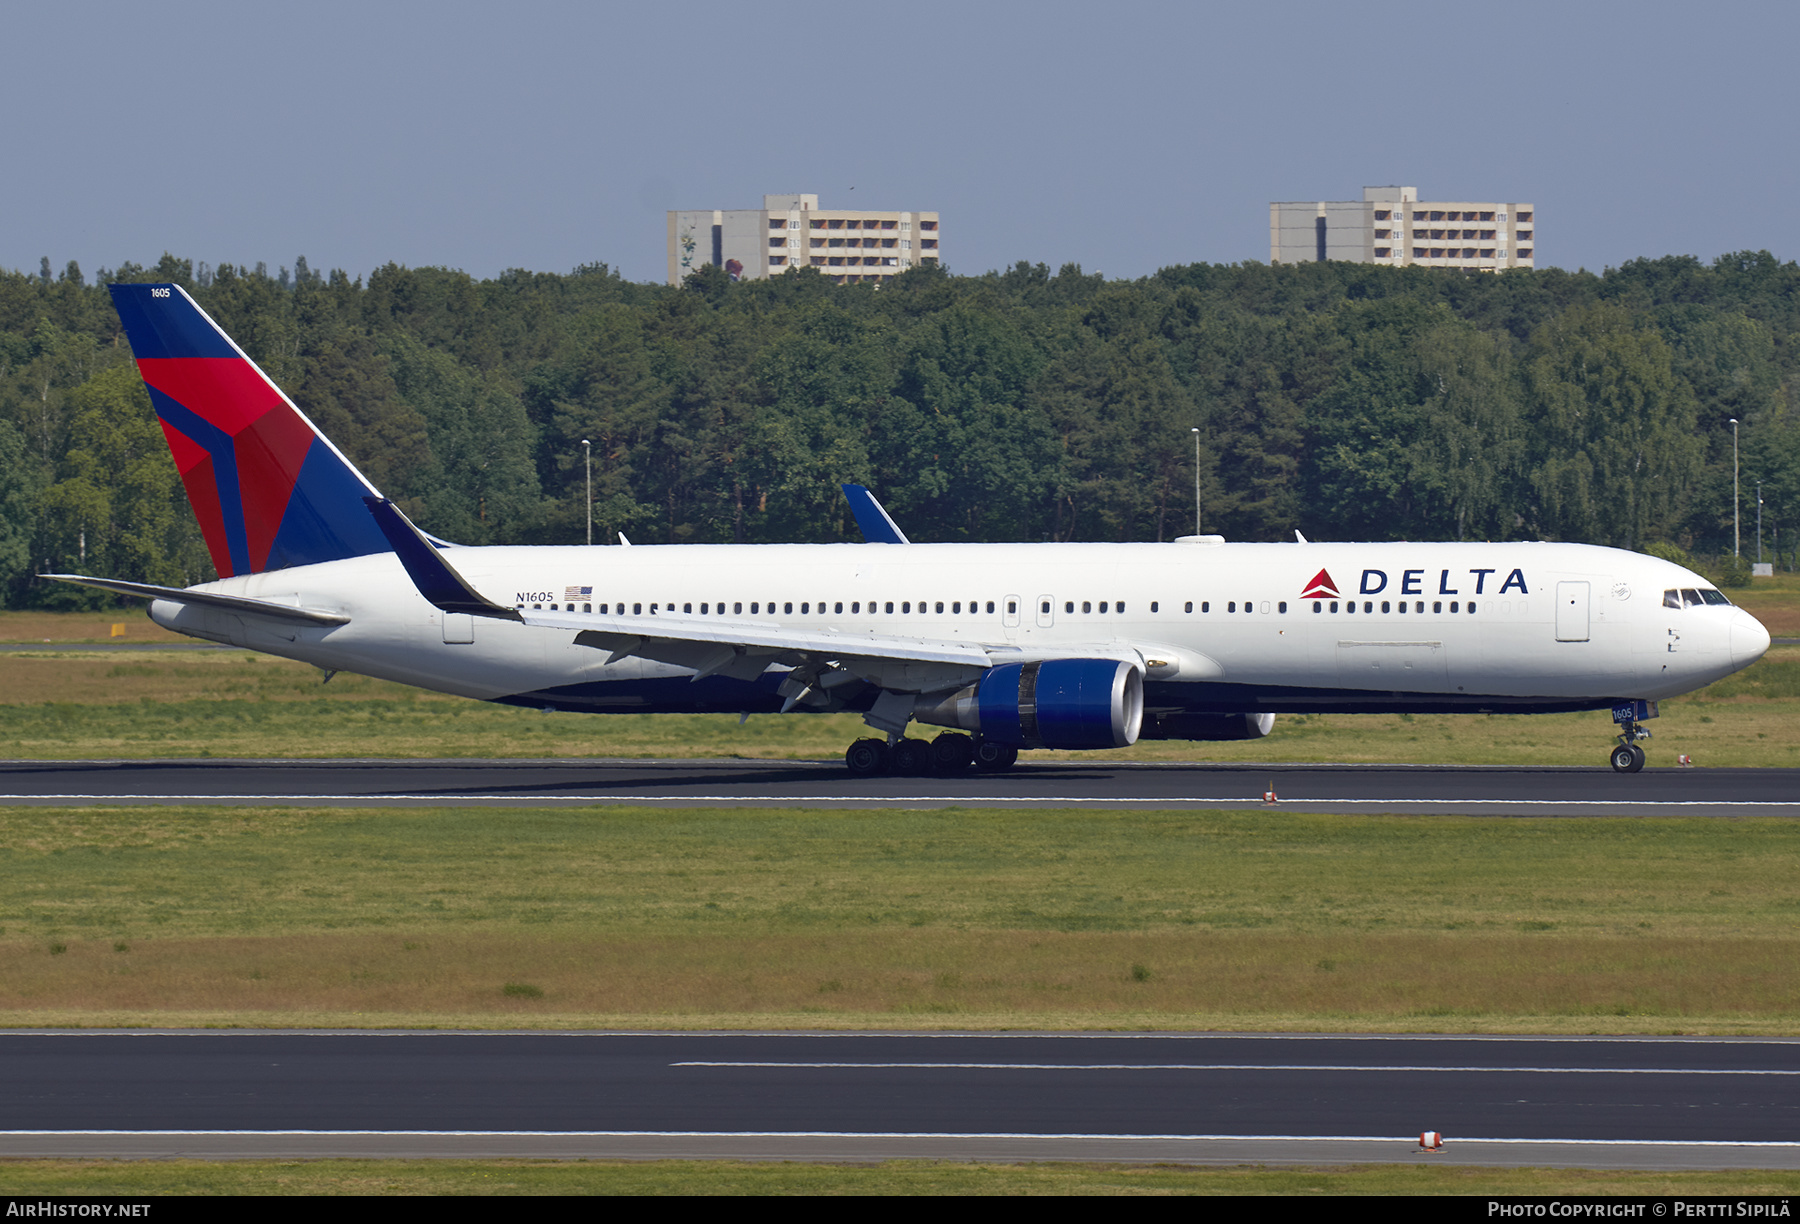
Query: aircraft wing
(209, 599)
(710, 645)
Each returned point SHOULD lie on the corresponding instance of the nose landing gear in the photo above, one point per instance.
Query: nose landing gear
(1628, 757)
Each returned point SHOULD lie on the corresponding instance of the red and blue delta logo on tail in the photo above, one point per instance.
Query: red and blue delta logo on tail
(269, 490)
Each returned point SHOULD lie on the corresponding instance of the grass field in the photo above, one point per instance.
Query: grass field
(945, 919)
(398, 1177)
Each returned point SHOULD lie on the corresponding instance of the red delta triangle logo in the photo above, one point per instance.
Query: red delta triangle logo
(1321, 587)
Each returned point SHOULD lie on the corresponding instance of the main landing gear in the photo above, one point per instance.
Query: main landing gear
(1628, 757)
(947, 755)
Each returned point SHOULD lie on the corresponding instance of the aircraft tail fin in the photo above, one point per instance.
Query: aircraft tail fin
(269, 490)
(877, 525)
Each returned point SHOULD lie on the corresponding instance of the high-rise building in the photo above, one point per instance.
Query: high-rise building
(1391, 225)
(850, 245)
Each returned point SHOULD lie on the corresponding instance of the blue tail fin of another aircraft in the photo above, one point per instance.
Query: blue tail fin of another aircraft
(878, 526)
(269, 490)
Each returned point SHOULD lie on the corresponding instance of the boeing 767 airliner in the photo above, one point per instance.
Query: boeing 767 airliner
(1009, 646)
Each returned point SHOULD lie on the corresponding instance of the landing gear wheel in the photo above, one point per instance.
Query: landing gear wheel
(910, 758)
(1627, 758)
(951, 753)
(866, 758)
(991, 757)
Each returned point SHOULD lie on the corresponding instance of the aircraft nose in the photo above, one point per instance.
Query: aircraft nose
(1749, 640)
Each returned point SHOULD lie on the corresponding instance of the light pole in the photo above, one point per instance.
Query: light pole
(1759, 522)
(1196, 433)
(1736, 536)
(587, 463)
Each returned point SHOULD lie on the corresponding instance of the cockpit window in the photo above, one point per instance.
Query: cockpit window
(1671, 599)
(1690, 598)
(1714, 597)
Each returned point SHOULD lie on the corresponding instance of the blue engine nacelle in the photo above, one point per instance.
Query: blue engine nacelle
(1058, 703)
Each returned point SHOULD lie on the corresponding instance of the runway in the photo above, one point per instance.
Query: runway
(1717, 1103)
(1476, 790)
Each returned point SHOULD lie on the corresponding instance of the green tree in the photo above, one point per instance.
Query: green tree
(1614, 452)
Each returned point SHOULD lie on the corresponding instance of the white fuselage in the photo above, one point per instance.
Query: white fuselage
(1265, 627)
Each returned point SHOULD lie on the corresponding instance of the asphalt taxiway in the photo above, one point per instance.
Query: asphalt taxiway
(1197, 1098)
(1477, 790)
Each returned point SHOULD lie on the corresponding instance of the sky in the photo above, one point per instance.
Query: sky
(1123, 137)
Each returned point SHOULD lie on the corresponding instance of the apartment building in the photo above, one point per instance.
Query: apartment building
(1391, 225)
(850, 245)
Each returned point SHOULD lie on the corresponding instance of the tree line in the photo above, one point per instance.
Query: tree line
(1345, 401)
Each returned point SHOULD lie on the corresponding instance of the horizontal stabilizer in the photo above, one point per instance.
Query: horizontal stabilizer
(209, 599)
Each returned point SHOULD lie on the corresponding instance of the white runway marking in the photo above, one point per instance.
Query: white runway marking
(984, 1066)
(1410, 1140)
(761, 800)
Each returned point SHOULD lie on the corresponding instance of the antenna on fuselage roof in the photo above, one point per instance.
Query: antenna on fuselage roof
(1298, 538)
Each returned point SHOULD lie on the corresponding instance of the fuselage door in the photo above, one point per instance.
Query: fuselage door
(1009, 617)
(459, 629)
(1571, 611)
(1046, 611)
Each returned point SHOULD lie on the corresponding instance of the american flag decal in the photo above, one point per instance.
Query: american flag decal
(578, 592)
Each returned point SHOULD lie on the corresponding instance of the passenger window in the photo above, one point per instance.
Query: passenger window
(753, 606)
(1231, 606)
(1384, 605)
(1119, 606)
(956, 607)
(1206, 605)
(1153, 605)
(906, 605)
(890, 605)
(1282, 607)
(1067, 607)
(1334, 605)
(1437, 606)
(940, 607)
(686, 608)
(637, 609)
(1088, 607)
(1190, 606)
